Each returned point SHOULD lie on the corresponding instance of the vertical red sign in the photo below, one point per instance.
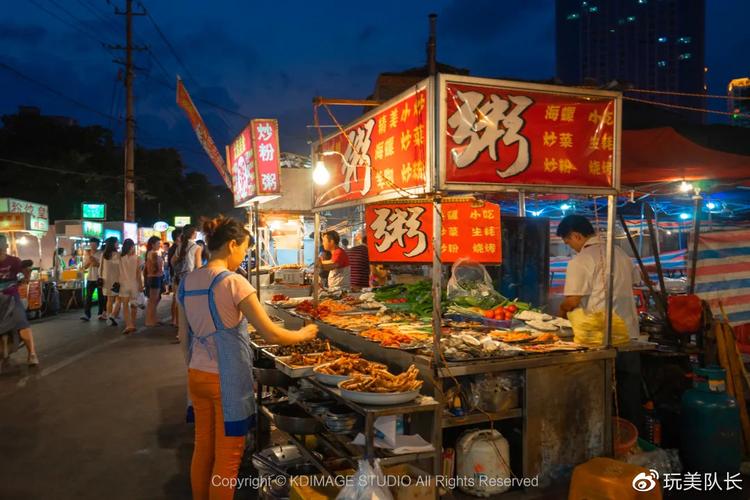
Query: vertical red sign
(265, 134)
(240, 160)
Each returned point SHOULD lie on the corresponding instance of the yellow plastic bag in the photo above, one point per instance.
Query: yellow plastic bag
(588, 329)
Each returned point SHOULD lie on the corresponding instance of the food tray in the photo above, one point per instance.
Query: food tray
(327, 379)
(294, 371)
(378, 398)
(494, 323)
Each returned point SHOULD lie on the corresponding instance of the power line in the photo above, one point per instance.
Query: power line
(687, 94)
(68, 23)
(686, 108)
(58, 170)
(168, 44)
(78, 103)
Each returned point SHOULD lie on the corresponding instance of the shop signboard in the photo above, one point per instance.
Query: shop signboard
(94, 211)
(39, 220)
(510, 135)
(181, 221)
(383, 155)
(266, 153)
(130, 231)
(92, 229)
(161, 226)
(242, 166)
(13, 222)
(402, 231)
(109, 233)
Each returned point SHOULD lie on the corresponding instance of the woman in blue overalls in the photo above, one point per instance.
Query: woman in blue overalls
(214, 301)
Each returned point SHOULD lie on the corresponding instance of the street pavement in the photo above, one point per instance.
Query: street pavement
(101, 417)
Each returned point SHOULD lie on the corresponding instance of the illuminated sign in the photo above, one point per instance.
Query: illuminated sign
(161, 226)
(96, 211)
(108, 233)
(93, 229)
(181, 221)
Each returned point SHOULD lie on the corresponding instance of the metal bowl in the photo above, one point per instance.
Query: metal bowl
(293, 419)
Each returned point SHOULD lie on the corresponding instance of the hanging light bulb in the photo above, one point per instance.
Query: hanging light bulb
(686, 187)
(321, 176)
(710, 205)
(565, 206)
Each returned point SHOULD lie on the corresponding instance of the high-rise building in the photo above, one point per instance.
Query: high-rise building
(649, 44)
(738, 91)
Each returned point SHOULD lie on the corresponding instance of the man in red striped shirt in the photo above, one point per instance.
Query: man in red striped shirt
(359, 259)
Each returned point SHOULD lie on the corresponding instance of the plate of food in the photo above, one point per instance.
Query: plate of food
(511, 337)
(301, 365)
(382, 387)
(343, 369)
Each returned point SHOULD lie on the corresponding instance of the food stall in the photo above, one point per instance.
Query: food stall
(73, 237)
(424, 164)
(25, 223)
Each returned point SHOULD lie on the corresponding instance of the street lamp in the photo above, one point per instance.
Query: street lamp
(320, 174)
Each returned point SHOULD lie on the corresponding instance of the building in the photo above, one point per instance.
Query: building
(644, 44)
(739, 103)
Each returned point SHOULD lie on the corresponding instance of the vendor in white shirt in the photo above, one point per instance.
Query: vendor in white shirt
(585, 285)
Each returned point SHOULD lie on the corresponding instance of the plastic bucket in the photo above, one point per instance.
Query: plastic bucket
(624, 435)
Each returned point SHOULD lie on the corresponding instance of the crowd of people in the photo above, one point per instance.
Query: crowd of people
(348, 268)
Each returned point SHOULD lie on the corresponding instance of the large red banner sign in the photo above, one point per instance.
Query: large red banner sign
(496, 135)
(383, 153)
(402, 232)
(201, 132)
(266, 147)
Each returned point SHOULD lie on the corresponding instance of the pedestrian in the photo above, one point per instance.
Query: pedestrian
(322, 256)
(214, 301)
(204, 252)
(10, 268)
(91, 263)
(58, 263)
(154, 271)
(167, 282)
(176, 240)
(188, 257)
(110, 274)
(359, 258)
(345, 243)
(131, 284)
(338, 264)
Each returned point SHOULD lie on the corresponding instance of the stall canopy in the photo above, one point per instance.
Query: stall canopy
(658, 155)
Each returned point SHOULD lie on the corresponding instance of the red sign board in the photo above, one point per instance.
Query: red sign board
(496, 135)
(266, 149)
(241, 161)
(402, 232)
(385, 152)
(201, 131)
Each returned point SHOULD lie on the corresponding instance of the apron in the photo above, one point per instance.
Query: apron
(235, 363)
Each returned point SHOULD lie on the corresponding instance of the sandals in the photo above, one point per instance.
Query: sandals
(128, 331)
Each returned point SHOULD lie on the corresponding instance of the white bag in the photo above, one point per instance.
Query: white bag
(366, 484)
(140, 301)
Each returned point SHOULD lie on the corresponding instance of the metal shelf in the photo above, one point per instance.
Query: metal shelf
(478, 418)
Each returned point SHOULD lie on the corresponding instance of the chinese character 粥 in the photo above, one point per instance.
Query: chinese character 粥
(549, 139)
(393, 224)
(389, 150)
(265, 132)
(268, 181)
(566, 166)
(405, 140)
(567, 113)
(552, 112)
(550, 165)
(566, 140)
(484, 124)
(266, 152)
(357, 153)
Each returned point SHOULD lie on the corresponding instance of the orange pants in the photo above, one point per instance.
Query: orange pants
(216, 457)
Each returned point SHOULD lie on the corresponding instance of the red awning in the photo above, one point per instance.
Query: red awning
(662, 155)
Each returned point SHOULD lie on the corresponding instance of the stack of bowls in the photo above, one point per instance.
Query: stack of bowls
(340, 419)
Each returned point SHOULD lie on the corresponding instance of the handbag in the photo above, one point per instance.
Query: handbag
(116, 287)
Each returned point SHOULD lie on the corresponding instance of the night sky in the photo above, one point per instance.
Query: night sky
(268, 59)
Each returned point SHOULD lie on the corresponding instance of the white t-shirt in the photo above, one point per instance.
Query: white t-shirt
(584, 277)
(94, 268)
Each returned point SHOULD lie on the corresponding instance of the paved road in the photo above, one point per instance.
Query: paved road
(101, 417)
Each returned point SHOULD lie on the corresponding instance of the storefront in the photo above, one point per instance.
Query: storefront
(422, 165)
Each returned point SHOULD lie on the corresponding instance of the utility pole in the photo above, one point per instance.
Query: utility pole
(129, 186)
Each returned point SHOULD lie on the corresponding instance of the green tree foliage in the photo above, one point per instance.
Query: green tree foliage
(87, 165)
